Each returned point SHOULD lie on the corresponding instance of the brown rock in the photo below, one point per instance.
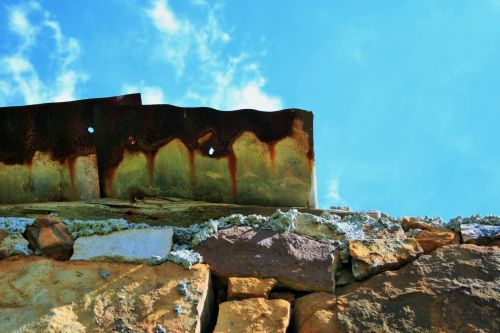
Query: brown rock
(253, 315)
(284, 295)
(297, 262)
(241, 288)
(455, 289)
(43, 295)
(313, 313)
(431, 240)
(408, 223)
(49, 237)
(372, 256)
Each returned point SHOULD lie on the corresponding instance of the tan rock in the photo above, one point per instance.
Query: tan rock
(431, 240)
(253, 315)
(408, 223)
(372, 256)
(313, 313)
(44, 295)
(455, 289)
(241, 288)
(49, 237)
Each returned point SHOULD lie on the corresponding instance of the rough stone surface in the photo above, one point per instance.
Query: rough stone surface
(480, 234)
(134, 245)
(313, 313)
(49, 237)
(456, 223)
(12, 244)
(408, 223)
(241, 288)
(455, 289)
(253, 315)
(431, 240)
(43, 295)
(297, 262)
(372, 256)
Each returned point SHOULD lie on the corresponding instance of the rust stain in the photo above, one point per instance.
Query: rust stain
(272, 155)
(72, 176)
(150, 158)
(192, 167)
(232, 164)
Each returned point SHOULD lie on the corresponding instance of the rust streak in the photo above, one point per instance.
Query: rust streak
(192, 167)
(72, 176)
(231, 164)
(151, 167)
(272, 155)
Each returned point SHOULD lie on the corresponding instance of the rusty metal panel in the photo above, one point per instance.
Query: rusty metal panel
(244, 156)
(47, 152)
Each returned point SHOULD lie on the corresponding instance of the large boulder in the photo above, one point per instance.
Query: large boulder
(134, 245)
(297, 262)
(455, 289)
(253, 315)
(49, 237)
(372, 256)
(43, 295)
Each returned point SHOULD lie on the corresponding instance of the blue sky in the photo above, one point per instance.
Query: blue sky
(405, 94)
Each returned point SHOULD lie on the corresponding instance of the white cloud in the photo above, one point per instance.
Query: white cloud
(334, 191)
(150, 94)
(221, 81)
(33, 24)
(163, 17)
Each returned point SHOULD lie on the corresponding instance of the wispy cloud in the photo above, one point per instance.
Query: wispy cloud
(334, 191)
(19, 78)
(224, 81)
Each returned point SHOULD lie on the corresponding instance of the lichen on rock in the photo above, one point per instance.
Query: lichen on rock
(78, 228)
(15, 224)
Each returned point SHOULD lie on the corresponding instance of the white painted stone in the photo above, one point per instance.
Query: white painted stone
(134, 245)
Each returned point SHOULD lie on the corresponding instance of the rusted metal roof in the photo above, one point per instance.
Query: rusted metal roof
(47, 152)
(244, 156)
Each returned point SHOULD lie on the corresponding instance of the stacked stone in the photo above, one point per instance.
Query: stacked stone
(286, 272)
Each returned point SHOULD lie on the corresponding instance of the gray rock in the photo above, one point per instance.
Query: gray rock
(134, 245)
(480, 234)
(13, 244)
(297, 262)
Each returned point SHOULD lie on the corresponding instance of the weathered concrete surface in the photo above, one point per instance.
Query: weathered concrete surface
(155, 212)
(254, 315)
(454, 289)
(241, 288)
(372, 256)
(135, 245)
(43, 295)
(297, 262)
(49, 237)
